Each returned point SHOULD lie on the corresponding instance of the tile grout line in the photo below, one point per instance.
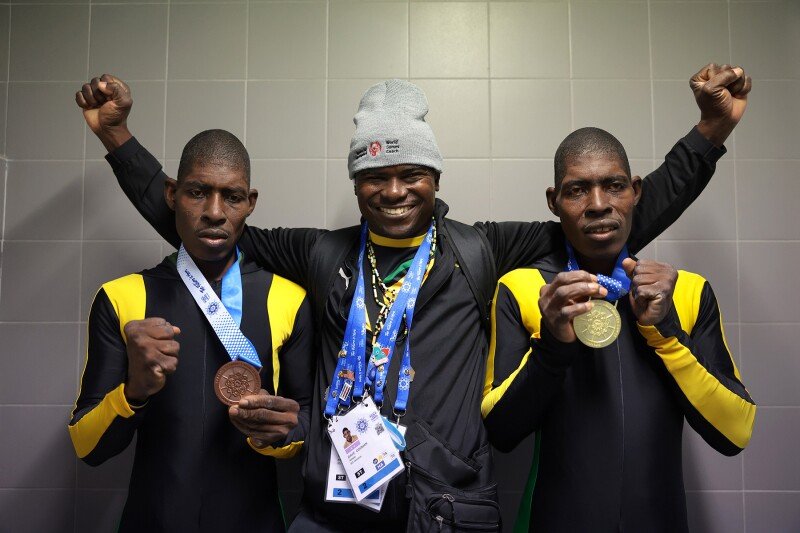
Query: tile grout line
(5, 152)
(246, 69)
(489, 97)
(738, 264)
(166, 85)
(656, 241)
(80, 255)
(325, 115)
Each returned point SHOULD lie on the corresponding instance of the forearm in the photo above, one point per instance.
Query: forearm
(141, 178)
(716, 404)
(673, 186)
(520, 244)
(516, 408)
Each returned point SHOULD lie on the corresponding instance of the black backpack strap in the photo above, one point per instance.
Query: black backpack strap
(327, 257)
(475, 258)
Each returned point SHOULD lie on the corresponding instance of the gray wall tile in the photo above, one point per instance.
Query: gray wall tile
(379, 49)
(106, 261)
(465, 188)
(459, 116)
(342, 207)
(767, 38)
(48, 43)
(114, 474)
(46, 459)
(449, 40)
(625, 112)
(518, 189)
(129, 41)
(107, 212)
(207, 41)
(286, 119)
(686, 36)
(3, 121)
(715, 261)
(769, 301)
(769, 127)
(40, 281)
(529, 40)
(674, 113)
(98, 511)
(713, 215)
(286, 41)
(291, 194)
(772, 512)
(624, 56)
(194, 106)
(48, 351)
(34, 511)
(770, 462)
(715, 512)
(42, 196)
(770, 356)
(43, 123)
(706, 469)
(767, 193)
(343, 99)
(529, 117)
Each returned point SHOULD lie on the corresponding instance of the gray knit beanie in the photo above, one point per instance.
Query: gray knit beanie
(391, 129)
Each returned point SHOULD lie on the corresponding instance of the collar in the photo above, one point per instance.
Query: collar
(410, 242)
(168, 267)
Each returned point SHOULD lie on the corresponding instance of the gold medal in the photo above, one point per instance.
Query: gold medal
(599, 327)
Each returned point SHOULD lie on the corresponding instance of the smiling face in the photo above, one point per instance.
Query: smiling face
(211, 204)
(397, 201)
(595, 202)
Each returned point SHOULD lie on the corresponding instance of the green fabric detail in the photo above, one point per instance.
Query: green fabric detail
(398, 272)
(523, 523)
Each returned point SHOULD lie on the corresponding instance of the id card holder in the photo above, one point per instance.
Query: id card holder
(338, 489)
(367, 453)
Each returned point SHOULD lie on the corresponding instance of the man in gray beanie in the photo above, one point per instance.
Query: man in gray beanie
(434, 386)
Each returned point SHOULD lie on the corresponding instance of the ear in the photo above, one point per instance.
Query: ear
(551, 200)
(436, 182)
(170, 190)
(636, 183)
(252, 197)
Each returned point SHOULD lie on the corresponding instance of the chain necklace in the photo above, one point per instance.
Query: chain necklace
(385, 303)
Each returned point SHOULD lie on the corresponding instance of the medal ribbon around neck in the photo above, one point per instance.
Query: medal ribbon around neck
(618, 285)
(350, 373)
(219, 317)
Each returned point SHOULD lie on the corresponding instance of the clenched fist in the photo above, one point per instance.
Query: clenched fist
(721, 94)
(106, 102)
(152, 356)
(652, 285)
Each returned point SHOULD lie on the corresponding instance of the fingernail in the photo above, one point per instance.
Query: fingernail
(739, 71)
(243, 403)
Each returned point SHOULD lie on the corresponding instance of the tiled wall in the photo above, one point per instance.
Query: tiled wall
(506, 82)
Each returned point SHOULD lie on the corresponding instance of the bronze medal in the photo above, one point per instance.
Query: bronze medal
(599, 327)
(235, 380)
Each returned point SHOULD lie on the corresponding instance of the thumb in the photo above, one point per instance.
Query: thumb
(109, 88)
(628, 265)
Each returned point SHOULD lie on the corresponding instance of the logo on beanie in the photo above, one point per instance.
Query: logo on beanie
(374, 148)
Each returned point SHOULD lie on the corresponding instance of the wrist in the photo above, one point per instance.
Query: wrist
(113, 137)
(134, 396)
(716, 131)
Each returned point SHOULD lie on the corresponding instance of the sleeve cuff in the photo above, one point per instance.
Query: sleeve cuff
(552, 352)
(284, 452)
(702, 146)
(659, 333)
(120, 403)
(125, 153)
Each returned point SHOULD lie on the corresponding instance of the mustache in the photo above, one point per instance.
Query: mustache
(214, 233)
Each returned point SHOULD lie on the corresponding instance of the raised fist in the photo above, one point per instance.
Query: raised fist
(652, 285)
(106, 102)
(152, 356)
(721, 94)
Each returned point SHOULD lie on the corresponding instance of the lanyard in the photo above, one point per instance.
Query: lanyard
(617, 285)
(224, 321)
(350, 374)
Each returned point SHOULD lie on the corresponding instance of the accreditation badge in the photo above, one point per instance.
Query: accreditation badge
(366, 449)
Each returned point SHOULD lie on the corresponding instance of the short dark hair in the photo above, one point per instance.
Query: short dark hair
(586, 141)
(214, 147)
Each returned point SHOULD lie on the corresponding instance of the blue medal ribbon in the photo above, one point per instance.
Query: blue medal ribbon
(618, 285)
(225, 315)
(350, 377)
